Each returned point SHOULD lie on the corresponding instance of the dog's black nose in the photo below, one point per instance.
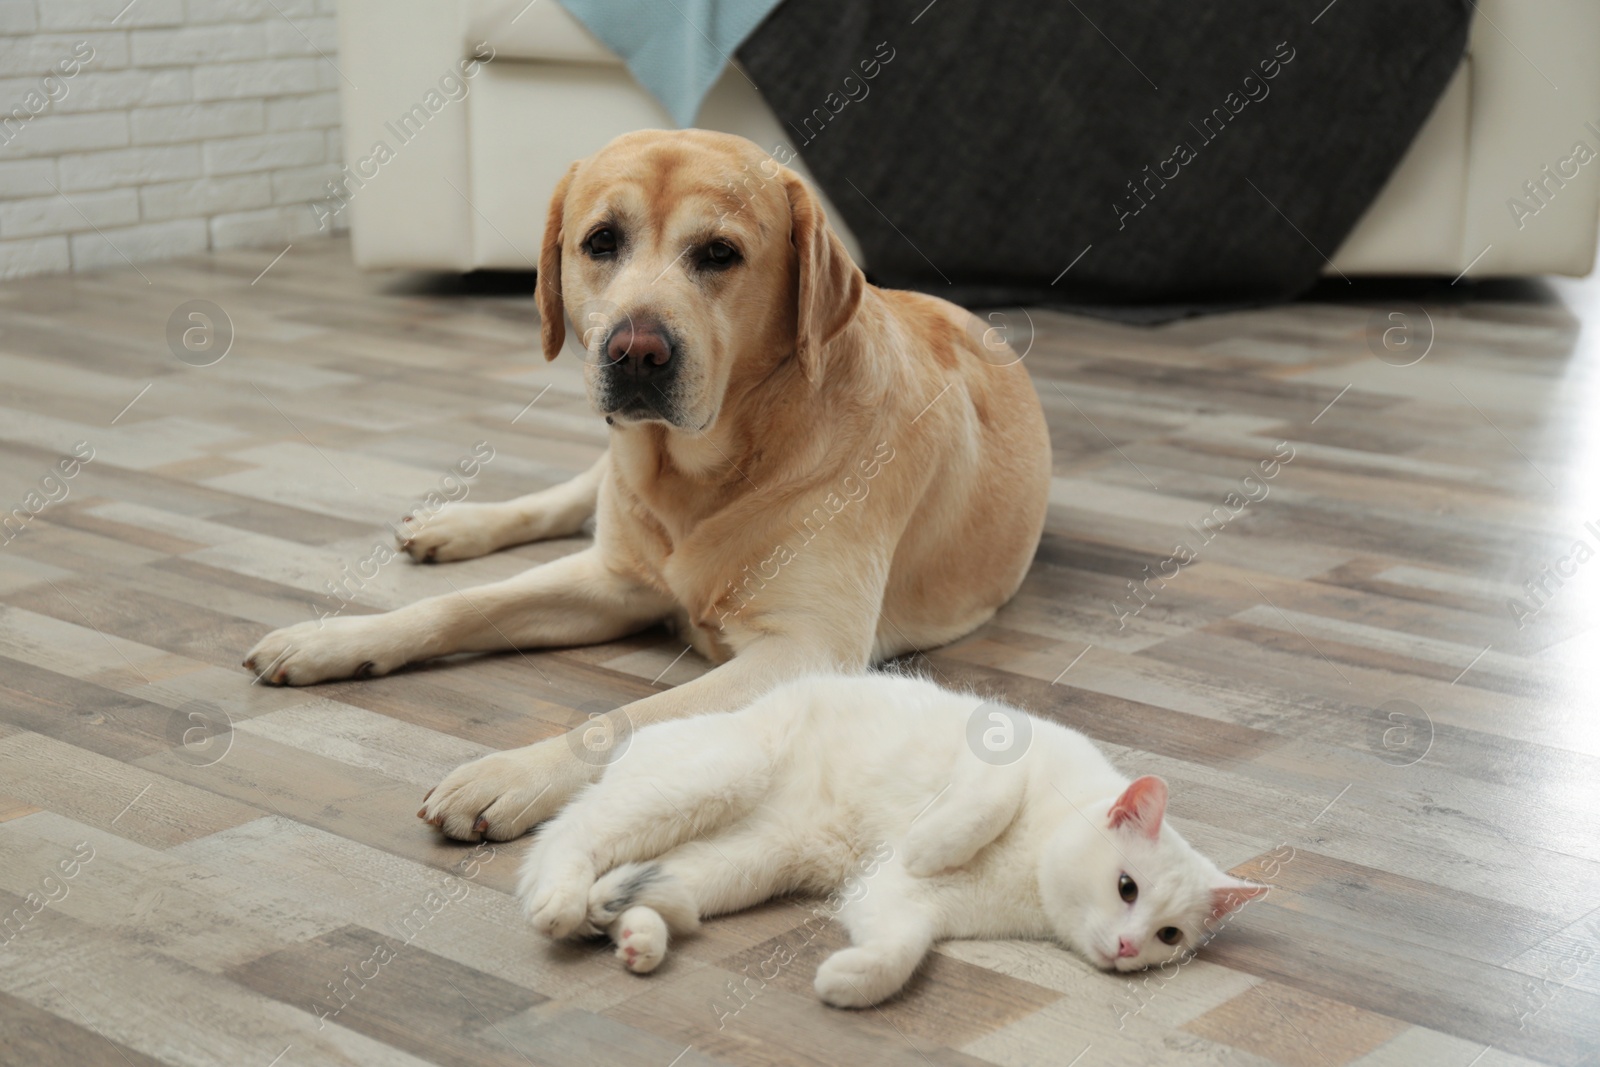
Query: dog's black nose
(640, 350)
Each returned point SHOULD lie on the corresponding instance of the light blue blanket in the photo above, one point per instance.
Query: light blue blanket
(675, 48)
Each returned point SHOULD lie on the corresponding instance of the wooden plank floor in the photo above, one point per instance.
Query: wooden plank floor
(199, 871)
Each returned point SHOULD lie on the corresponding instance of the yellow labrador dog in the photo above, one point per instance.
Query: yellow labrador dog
(805, 472)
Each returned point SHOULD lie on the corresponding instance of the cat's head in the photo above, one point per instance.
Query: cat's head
(1125, 890)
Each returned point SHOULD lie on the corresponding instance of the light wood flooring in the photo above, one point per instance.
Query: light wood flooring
(1336, 688)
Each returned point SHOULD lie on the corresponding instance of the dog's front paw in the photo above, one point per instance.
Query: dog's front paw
(856, 978)
(457, 531)
(324, 650)
(504, 794)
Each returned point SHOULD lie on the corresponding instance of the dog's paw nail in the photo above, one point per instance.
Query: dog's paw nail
(406, 519)
(422, 813)
(481, 826)
(428, 794)
(280, 678)
(366, 669)
(437, 820)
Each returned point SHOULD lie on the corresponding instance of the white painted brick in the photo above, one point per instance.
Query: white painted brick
(51, 135)
(129, 166)
(41, 52)
(27, 177)
(194, 122)
(199, 44)
(262, 77)
(97, 14)
(271, 227)
(14, 129)
(207, 196)
(317, 36)
(44, 255)
(317, 111)
(248, 10)
(30, 96)
(300, 184)
(55, 214)
(263, 152)
(159, 240)
(18, 16)
(110, 90)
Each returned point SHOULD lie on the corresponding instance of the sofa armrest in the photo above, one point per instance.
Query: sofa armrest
(405, 133)
(1535, 85)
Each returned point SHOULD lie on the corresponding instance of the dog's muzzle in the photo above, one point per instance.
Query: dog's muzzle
(639, 364)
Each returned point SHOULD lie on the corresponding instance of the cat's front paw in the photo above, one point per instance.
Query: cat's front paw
(857, 978)
(559, 907)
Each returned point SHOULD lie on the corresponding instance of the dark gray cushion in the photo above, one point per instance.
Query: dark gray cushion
(1001, 137)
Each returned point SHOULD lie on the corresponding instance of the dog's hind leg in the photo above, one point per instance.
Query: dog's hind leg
(467, 531)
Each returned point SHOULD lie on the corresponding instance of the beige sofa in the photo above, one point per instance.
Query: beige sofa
(470, 163)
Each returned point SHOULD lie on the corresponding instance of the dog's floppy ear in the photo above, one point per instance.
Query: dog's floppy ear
(547, 290)
(830, 284)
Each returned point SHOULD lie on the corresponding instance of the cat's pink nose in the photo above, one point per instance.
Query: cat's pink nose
(1125, 948)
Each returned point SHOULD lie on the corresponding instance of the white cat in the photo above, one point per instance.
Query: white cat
(876, 783)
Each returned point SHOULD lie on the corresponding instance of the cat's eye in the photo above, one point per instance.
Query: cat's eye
(601, 243)
(1127, 888)
(1169, 935)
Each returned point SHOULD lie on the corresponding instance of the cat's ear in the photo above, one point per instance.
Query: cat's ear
(1141, 806)
(1233, 895)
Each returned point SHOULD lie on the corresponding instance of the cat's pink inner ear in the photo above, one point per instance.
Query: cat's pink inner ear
(1141, 806)
(1232, 897)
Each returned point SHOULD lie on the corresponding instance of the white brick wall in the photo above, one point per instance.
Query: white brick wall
(162, 128)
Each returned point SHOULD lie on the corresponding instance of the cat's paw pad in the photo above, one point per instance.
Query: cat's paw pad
(558, 908)
(641, 939)
(855, 978)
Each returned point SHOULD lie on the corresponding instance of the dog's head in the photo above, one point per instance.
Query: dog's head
(690, 263)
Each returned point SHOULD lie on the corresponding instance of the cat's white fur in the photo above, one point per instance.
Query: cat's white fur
(870, 782)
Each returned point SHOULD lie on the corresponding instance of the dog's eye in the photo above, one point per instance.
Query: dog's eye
(1169, 935)
(719, 254)
(1127, 888)
(601, 243)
